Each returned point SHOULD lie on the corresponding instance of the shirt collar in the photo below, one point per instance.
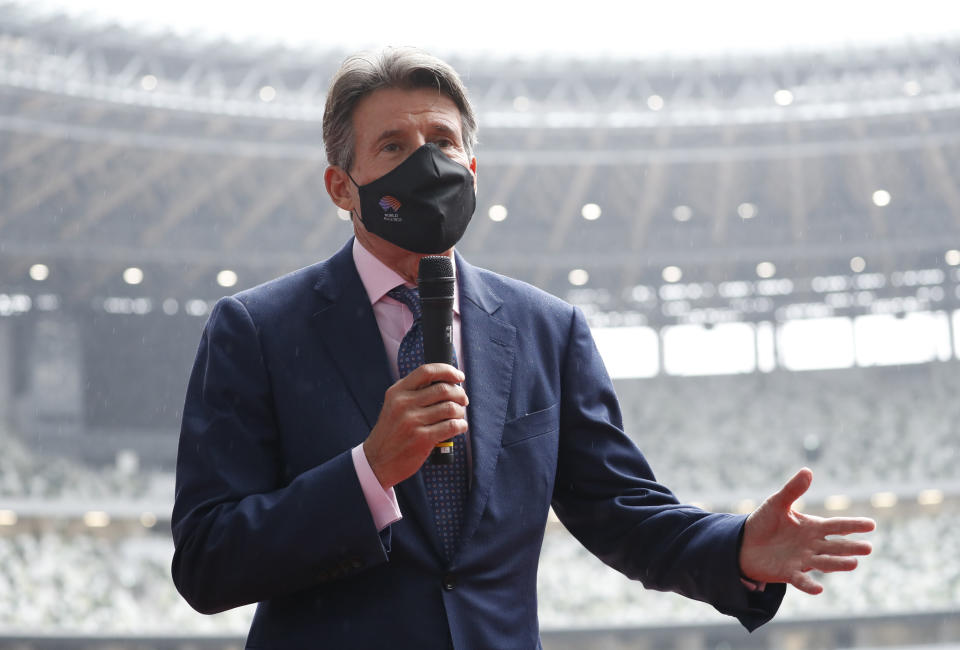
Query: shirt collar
(378, 278)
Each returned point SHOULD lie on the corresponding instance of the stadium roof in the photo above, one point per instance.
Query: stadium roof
(599, 180)
(501, 28)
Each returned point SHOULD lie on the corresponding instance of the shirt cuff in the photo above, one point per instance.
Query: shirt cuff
(382, 503)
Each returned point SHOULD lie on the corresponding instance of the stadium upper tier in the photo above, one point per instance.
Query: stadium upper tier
(182, 158)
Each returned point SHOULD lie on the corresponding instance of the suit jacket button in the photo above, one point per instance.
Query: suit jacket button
(449, 582)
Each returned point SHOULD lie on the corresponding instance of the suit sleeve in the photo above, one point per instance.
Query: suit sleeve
(241, 533)
(607, 496)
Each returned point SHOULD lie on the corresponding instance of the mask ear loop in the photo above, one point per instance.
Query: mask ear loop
(351, 178)
(357, 185)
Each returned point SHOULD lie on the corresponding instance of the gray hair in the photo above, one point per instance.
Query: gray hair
(406, 68)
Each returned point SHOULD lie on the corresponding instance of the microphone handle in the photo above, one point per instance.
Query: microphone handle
(437, 323)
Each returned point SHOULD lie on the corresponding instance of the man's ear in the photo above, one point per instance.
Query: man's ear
(473, 168)
(339, 187)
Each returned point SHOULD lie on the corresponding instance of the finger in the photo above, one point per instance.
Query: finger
(440, 412)
(793, 489)
(444, 430)
(433, 372)
(843, 547)
(830, 563)
(847, 525)
(806, 584)
(440, 392)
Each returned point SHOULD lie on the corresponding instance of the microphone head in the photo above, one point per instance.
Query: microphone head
(435, 267)
(435, 279)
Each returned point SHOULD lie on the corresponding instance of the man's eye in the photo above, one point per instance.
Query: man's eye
(391, 146)
(443, 143)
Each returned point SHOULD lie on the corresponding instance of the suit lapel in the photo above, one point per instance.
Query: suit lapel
(489, 350)
(348, 330)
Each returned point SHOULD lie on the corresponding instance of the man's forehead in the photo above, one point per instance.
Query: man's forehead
(394, 109)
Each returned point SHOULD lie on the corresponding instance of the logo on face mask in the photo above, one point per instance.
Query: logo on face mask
(390, 206)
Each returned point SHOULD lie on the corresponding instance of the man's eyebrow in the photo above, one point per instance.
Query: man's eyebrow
(436, 127)
(389, 133)
(443, 127)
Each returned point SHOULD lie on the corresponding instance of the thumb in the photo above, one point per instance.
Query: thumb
(793, 489)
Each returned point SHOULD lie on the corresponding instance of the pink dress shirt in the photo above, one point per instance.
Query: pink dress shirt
(393, 320)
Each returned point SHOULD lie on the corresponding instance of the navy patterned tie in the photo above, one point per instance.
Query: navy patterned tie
(446, 484)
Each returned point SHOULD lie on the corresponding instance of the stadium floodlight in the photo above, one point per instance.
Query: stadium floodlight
(96, 519)
(837, 502)
(227, 278)
(952, 257)
(268, 93)
(196, 307)
(521, 103)
(655, 102)
(881, 198)
(497, 212)
(735, 289)
(171, 306)
(578, 277)
(8, 518)
(17, 303)
(591, 211)
(883, 500)
(747, 210)
(133, 275)
(911, 88)
(672, 274)
(148, 520)
(930, 497)
(783, 97)
(39, 272)
(149, 82)
(683, 213)
(766, 269)
(857, 264)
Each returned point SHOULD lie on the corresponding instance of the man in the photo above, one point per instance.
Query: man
(303, 479)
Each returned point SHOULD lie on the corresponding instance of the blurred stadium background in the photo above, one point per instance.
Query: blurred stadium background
(767, 248)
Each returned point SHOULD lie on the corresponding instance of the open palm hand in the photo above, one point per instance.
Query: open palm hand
(783, 545)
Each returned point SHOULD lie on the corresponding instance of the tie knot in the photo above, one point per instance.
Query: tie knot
(409, 297)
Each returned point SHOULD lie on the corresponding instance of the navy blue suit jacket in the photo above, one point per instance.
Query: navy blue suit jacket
(291, 375)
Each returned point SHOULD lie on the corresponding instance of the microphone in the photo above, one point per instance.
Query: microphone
(435, 282)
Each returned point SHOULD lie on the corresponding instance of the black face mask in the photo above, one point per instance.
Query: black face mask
(423, 205)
